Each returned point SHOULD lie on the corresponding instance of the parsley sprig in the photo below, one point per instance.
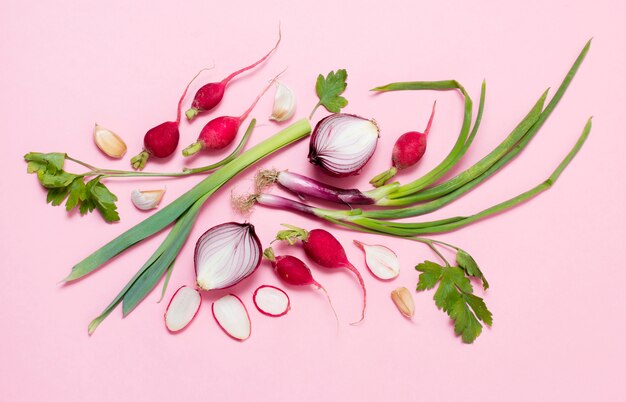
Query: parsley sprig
(329, 90)
(78, 191)
(87, 196)
(455, 294)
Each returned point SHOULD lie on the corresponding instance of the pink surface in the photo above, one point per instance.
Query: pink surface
(555, 264)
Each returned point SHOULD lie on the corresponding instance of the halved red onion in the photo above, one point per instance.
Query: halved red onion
(231, 315)
(271, 300)
(343, 143)
(183, 308)
(226, 254)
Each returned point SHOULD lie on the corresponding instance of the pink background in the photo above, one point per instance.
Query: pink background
(555, 264)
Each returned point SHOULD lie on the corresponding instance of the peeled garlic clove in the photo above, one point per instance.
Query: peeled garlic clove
(109, 142)
(381, 261)
(145, 200)
(284, 103)
(404, 301)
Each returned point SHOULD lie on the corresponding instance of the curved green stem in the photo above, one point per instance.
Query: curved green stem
(111, 173)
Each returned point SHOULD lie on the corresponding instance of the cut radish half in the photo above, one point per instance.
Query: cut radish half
(271, 300)
(182, 309)
(231, 315)
(381, 261)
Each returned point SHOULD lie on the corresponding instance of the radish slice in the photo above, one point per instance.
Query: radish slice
(381, 261)
(231, 315)
(182, 308)
(271, 300)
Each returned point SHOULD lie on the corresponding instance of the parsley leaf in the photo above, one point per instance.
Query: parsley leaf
(329, 90)
(430, 275)
(454, 295)
(52, 162)
(62, 186)
(468, 263)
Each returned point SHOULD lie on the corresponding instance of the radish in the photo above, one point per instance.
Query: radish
(295, 272)
(211, 94)
(231, 315)
(323, 248)
(271, 301)
(381, 261)
(221, 131)
(161, 141)
(183, 308)
(407, 151)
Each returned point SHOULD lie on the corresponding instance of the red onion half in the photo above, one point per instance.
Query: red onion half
(226, 254)
(343, 143)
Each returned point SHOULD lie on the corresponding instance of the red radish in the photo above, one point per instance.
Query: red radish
(295, 272)
(231, 315)
(182, 309)
(323, 248)
(161, 141)
(271, 301)
(211, 94)
(381, 261)
(221, 131)
(407, 151)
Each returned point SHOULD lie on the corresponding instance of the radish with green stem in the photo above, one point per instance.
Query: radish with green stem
(211, 94)
(221, 131)
(161, 141)
(407, 151)
(295, 272)
(323, 248)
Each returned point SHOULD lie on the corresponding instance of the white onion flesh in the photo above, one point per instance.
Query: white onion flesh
(182, 308)
(226, 254)
(231, 315)
(343, 143)
(271, 300)
(381, 261)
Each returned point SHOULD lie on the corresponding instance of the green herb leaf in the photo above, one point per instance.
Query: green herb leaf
(454, 295)
(103, 200)
(330, 88)
(430, 275)
(38, 161)
(468, 263)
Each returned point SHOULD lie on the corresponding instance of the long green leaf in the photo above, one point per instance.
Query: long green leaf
(208, 186)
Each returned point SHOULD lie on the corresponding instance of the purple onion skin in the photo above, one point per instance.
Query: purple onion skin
(252, 233)
(313, 155)
(276, 201)
(305, 186)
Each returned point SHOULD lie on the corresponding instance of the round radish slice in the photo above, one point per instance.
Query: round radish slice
(182, 308)
(231, 315)
(271, 300)
(380, 260)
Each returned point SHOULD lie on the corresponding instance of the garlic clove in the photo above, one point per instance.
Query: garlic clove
(109, 142)
(381, 261)
(284, 103)
(146, 200)
(404, 301)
